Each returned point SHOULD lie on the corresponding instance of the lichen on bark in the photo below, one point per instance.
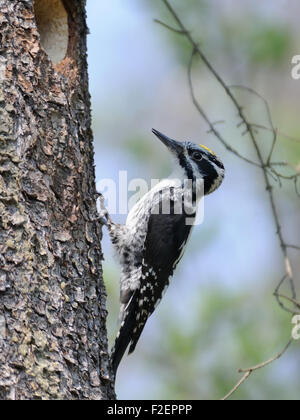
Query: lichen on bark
(53, 341)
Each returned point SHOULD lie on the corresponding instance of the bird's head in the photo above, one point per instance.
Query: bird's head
(195, 162)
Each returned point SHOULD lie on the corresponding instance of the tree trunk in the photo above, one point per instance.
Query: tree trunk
(53, 341)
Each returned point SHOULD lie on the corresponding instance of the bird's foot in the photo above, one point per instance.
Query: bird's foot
(104, 217)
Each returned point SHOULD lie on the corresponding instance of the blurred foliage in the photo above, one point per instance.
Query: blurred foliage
(256, 40)
(265, 43)
(144, 152)
(138, 147)
(293, 152)
(188, 11)
(200, 361)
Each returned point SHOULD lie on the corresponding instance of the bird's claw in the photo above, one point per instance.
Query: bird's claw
(104, 217)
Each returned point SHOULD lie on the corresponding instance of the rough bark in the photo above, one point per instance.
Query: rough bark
(53, 341)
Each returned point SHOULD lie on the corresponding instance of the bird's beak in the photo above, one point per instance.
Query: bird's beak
(173, 145)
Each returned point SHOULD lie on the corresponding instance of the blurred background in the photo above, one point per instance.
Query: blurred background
(219, 313)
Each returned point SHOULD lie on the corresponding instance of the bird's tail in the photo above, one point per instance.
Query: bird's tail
(124, 336)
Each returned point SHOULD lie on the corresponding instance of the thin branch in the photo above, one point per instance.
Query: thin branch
(280, 164)
(268, 362)
(289, 177)
(236, 387)
(296, 187)
(275, 134)
(281, 133)
(205, 117)
(278, 297)
(253, 92)
(177, 31)
(294, 247)
(252, 369)
(297, 304)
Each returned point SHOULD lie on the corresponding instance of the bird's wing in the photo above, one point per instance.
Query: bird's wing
(164, 246)
(165, 241)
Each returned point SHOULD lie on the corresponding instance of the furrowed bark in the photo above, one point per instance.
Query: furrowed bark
(53, 341)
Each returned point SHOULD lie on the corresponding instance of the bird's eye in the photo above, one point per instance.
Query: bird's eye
(197, 156)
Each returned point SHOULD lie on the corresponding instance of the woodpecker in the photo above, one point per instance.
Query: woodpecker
(152, 241)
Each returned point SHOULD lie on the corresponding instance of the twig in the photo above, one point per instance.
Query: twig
(235, 388)
(177, 31)
(289, 177)
(277, 296)
(253, 92)
(294, 247)
(252, 369)
(275, 133)
(296, 187)
(205, 117)
(281, 133)
(297, 304)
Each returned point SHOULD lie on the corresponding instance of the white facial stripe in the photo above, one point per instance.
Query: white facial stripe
(220, 172)
(195, 167)
(217, 168)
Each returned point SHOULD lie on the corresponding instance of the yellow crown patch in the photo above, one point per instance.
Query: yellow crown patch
(208, 149)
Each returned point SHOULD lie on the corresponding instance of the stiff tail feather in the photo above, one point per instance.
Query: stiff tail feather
(124, 336)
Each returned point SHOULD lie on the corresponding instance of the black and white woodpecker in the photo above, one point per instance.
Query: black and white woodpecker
(153, 240)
